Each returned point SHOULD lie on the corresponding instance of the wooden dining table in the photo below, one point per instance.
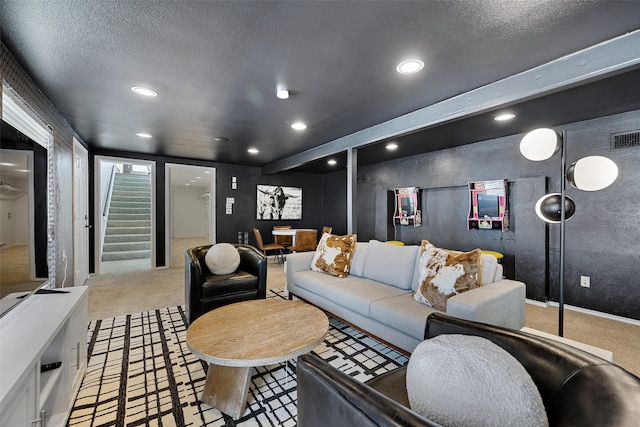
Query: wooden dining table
(290, 232)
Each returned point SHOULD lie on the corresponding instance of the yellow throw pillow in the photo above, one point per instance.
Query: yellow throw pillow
(333, 254)
(444, 274)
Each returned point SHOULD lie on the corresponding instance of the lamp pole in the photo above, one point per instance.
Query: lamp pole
(563, 179)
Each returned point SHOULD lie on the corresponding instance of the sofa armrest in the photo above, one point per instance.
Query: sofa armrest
(299, 261)
(328, 397)
(500, 303)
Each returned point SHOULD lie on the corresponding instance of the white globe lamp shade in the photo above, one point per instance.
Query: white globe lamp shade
(592, 173)
(540, 144)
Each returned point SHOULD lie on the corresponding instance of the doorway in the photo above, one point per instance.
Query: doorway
(190, 207)
(124, 216)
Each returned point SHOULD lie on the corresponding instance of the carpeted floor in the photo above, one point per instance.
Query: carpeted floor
(140, 372)
(130, 289)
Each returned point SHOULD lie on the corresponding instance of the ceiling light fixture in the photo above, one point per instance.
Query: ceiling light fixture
(332, 162)
(220, 139)
(504, 117)
(253, 151)
(144, 91)
(299, 126)
(410, 66)
(391, 146)
(144, 135)
(282, 93)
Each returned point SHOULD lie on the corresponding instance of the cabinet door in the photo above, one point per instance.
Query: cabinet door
(20, 409)
(77, 347)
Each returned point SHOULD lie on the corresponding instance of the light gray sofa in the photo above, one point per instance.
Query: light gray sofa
(377, 296)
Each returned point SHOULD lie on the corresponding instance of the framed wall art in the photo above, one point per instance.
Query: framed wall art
(275, 202)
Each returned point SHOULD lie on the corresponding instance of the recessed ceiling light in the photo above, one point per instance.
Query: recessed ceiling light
(22, 170)
(144, 135)
(220, 139)
(299, 126)
(282, 93)
(207, 172)
(410, 66)
(144, 91)
(198, 177)
(332, 162)
(503, 117)
(391, 146)
(186, 183)
(7, 164)
(253, 151)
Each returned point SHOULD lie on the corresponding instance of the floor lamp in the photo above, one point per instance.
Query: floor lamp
(590, 173)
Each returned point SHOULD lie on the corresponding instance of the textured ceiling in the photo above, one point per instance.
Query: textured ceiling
(216, 65)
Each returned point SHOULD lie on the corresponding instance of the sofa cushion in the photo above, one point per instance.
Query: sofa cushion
(358, 259)
(445, 273)
(333, 254)
(403, 314)
(313, 281)
(462, 380)
(357, 294)
(390, 264)
(222, 258)
(489, 265)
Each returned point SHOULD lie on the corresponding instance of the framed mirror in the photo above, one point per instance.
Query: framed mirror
(27, 255)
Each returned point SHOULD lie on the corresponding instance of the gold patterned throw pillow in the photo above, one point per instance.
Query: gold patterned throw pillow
(444, 274)
(333, 254)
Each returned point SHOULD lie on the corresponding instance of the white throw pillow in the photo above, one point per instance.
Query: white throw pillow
(462, 380)
(222, 258)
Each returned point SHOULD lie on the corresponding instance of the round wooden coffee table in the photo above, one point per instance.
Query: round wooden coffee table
(238, 337)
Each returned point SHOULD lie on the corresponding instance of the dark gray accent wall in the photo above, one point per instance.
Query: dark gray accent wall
(602, 238)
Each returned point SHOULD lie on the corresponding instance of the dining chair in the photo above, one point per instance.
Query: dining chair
(306, 240)
(265, 247)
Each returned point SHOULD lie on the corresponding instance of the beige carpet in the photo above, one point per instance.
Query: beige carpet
(130, 291)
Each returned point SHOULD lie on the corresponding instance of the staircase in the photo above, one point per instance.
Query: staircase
(128, 232)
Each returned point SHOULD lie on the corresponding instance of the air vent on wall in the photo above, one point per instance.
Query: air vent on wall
(625, 140)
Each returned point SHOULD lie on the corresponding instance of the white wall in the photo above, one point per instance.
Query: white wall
(14, 216)
(190, 215)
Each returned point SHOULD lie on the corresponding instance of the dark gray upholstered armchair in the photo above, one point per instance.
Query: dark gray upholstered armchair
(577, 388)
(205, 291)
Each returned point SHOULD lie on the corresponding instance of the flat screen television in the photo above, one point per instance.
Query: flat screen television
(488, 205)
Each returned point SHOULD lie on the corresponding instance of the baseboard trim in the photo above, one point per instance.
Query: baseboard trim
(585, 311)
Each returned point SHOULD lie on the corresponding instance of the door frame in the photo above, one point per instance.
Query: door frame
(100, 222)
(168, 209)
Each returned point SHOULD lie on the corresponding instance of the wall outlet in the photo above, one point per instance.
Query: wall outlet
(585, 281)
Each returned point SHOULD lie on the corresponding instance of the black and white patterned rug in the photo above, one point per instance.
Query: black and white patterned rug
(141, 373)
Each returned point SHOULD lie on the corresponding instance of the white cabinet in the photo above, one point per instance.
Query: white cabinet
(44, 329)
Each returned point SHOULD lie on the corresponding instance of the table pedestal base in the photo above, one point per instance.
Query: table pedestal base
(226, 389)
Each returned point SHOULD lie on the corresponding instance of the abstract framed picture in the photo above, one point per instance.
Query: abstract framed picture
(275, 202)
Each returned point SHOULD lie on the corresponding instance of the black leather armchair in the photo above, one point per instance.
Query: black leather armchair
(577, 388)
(205, 291)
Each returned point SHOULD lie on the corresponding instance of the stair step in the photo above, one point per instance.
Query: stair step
(127, 192)
(118, 238)
(131, 199)
(129, 216)
(128, 223)
(129, 205)
(128, 230)
(117, 210)
(118, 256)
(126, 246)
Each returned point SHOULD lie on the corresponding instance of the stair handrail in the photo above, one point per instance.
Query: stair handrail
(107, 200)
